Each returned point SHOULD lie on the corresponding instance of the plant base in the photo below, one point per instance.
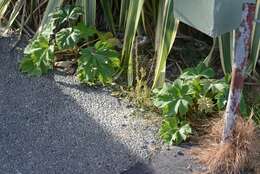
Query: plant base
(233, 157)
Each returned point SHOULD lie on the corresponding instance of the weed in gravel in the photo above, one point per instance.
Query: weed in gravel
(194, 93)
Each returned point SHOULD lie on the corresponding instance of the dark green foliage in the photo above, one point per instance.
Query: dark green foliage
(67, 38)
(85, 31)
(98, 63)
(67, 15)
(194, 91)
(201, 71)
(173, 131)
(38, 59)
(174, 99)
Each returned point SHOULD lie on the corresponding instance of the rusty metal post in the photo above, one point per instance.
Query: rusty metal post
(242, 49)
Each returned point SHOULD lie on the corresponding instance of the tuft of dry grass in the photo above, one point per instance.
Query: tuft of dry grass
(228, 158)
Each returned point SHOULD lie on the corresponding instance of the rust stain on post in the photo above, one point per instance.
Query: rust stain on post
(243, 40)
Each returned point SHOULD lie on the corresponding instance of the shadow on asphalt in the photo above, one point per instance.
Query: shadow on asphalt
(44, 131)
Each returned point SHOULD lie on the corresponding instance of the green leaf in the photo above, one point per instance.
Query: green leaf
(195, 87)
(168, 128)
(105, 36)
(85, 31)
(201, 71)
(208, 60)
(123, 14)
(182, 106)
(227, 51)
(27, 65)
(109, 38)
(173, 99)
(217, 86)
(47, 30)
(67, 14)
(222, 98)
(182, 134)
(255, 45)
(243, 106)
(89, 8)
(38, 59)
(166, 31)
(106, 5)
(173, 131)
(67, 38)
(97, 64)
(134, 13)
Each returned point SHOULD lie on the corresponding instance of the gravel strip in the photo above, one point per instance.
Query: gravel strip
(53, 125)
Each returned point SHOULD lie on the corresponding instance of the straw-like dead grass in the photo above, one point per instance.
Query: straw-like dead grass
(228, 158)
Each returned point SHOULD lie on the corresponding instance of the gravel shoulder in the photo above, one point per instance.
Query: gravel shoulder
(52, 125)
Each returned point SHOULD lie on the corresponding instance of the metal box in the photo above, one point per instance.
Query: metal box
(212, 17)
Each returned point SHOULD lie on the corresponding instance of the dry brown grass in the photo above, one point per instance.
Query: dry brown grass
(233, 157)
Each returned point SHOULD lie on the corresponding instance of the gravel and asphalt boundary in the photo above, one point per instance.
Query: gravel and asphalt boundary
(54, 125)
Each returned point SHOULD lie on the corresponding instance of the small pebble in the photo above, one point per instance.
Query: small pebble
(189, 167)
(180, 153)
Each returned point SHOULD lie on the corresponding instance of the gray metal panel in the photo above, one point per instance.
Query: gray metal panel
(228, 14)
(250, 1)
(213, 17)
(196, 13)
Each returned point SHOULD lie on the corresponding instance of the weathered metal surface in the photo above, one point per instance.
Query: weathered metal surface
(212, 17)
(243, 40)
(250, 1)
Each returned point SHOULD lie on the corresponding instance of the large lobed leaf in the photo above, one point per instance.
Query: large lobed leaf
(174, 131)
(174, 99)
(201, 71)
(67, 15)
(67, 38)
(97, 64)
(38, 59)
(85, 31)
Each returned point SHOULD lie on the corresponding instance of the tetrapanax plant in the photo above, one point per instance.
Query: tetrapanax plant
(38, 59)
(201, 71)
(67, 38)
(173, 99)
(98, 63)
(85, 31)
(174, 131)
(194, 91)
(67, 15)
(97, 58)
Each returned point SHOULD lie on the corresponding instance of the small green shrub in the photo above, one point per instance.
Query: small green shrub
(67, 15)
(98, 63)
(174, 99)
(97, 58)
(194, 91)
(39, 56)
(174, 131)
(67, 38)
